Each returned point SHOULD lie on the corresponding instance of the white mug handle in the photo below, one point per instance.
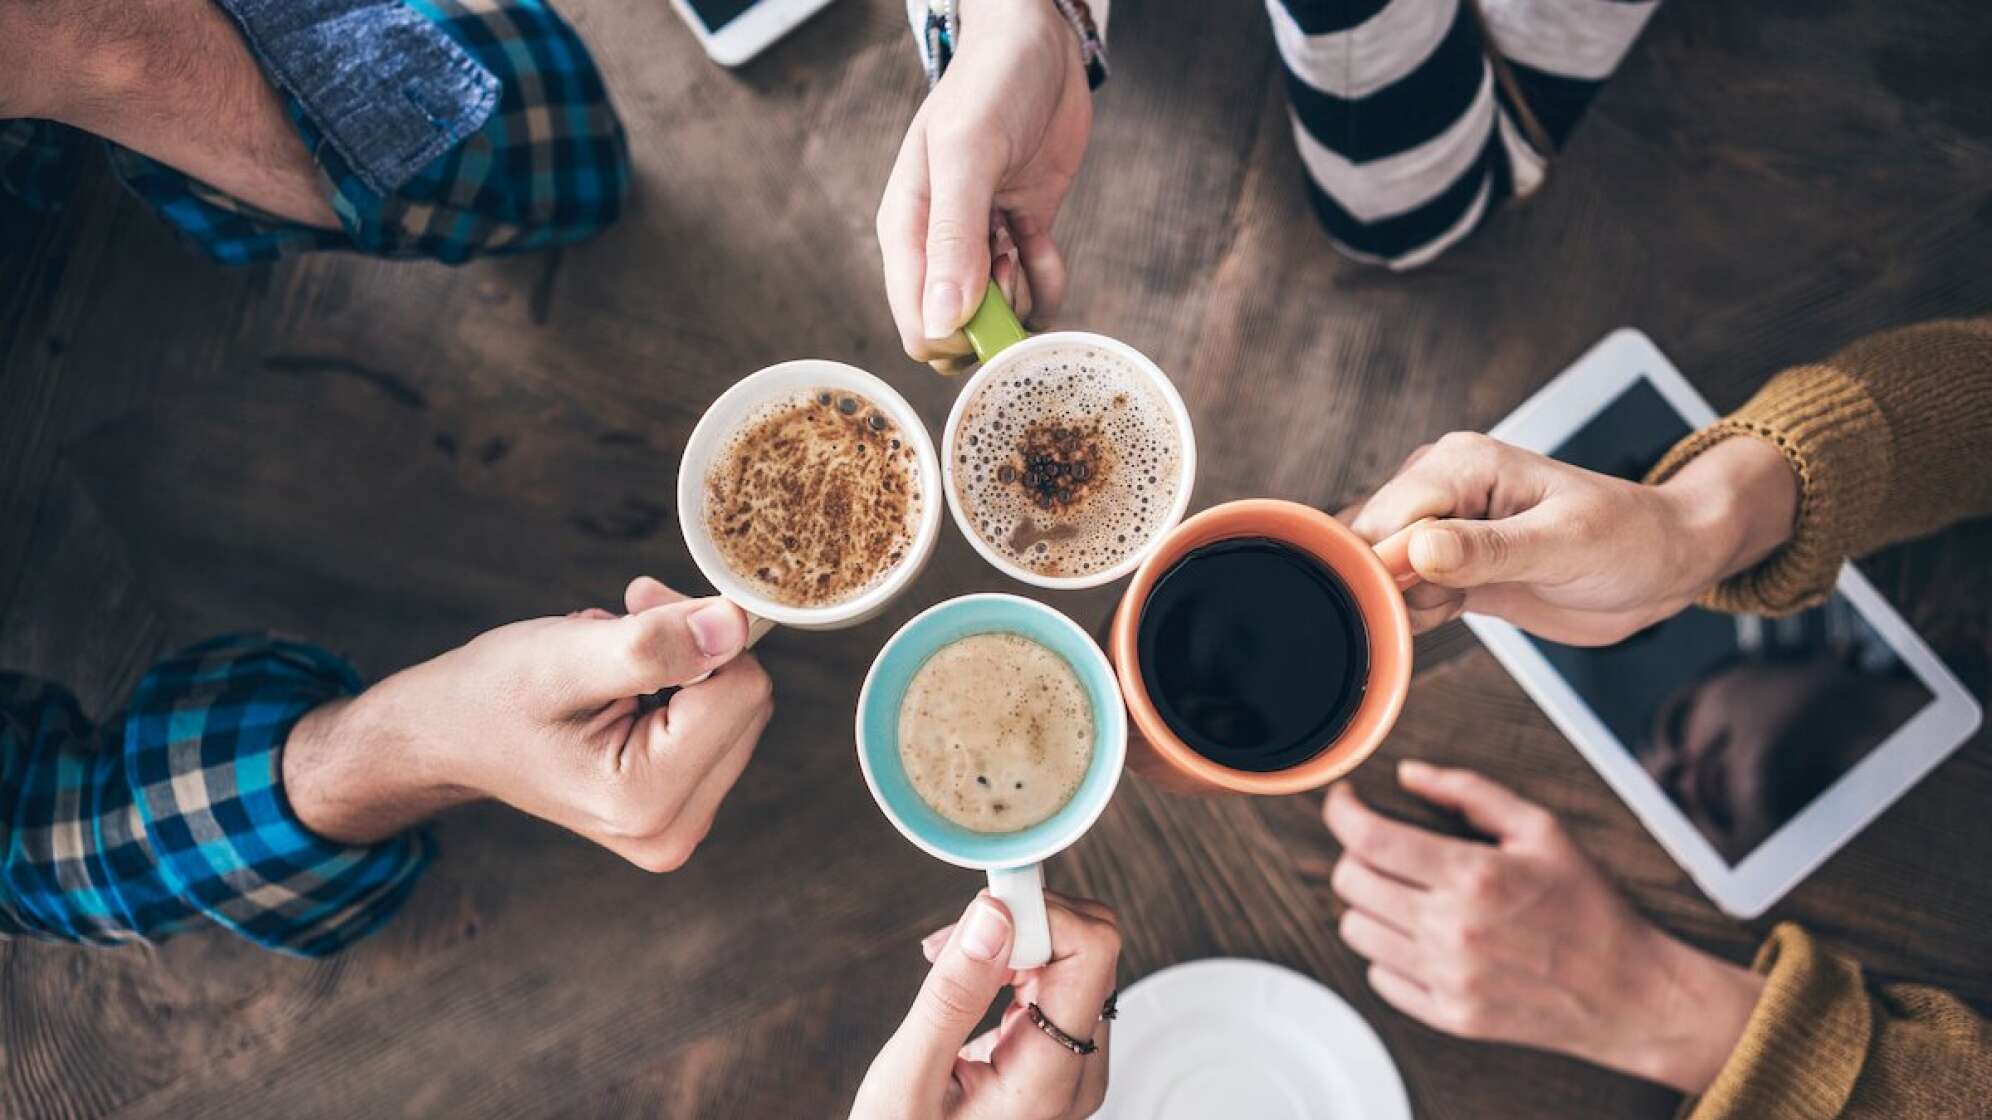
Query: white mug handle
(1022, 890)
(757, 628)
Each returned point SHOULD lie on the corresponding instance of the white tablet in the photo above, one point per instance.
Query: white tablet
(1751, 747)
(733, 31)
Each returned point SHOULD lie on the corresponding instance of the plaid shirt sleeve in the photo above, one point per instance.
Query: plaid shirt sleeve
(173, 814)
(548, 165)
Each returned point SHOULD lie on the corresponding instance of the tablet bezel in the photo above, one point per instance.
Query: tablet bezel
(1775, 866)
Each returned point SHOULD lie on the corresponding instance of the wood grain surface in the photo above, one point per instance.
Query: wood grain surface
(388, 458)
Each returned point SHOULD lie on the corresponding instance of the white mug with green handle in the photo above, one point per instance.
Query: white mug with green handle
(1004, 346)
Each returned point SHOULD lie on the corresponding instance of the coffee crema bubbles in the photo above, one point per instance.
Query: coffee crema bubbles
(1067, 464)
(815, 498)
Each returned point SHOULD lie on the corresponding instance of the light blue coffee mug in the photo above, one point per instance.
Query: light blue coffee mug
(1014, 860)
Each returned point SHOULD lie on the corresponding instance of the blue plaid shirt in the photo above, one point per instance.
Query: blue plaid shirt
(527, 150)
(173, 813)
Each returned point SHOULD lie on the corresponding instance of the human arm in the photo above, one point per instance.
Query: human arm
(1001, 135)
(1755, 513)
(1887, 441)
(174, 81)
(1522, 940)
(249, 774)
(1824, 1041)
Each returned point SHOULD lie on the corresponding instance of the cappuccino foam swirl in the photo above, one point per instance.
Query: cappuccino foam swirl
(1068, 463)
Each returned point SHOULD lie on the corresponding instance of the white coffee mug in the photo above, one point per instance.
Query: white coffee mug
(1002, 344)
(709, 440)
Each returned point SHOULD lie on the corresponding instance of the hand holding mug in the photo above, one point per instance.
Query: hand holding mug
(1523, 941)
(549, 716)
(1569, 554)
(1004, 132)
(930, 1069)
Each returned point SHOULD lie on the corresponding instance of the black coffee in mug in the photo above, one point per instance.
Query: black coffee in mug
(1253, 652)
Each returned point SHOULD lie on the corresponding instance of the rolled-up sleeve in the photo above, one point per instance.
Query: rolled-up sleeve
(173, 814)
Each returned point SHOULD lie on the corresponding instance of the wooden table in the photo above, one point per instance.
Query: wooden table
(389, 458)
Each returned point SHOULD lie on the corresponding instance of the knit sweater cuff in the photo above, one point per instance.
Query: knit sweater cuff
(1837, 441)
(1804, 1045)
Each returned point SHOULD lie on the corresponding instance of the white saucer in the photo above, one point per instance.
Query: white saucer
(1228, 1037)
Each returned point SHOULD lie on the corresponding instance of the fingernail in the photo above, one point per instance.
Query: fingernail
(932, 943)
(716, 628)
(1439, 550)
(940, 313)
(984, 931)
(1413, 769)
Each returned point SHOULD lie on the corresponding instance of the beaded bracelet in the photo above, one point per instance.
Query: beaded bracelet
(943, 35)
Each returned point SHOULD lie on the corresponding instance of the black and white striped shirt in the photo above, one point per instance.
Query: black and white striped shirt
(1407, 132)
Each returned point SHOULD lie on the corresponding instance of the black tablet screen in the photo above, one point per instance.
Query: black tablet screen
(716, 14)
(1742, 721)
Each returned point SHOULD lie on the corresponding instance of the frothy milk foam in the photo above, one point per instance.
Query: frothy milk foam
(815, 498)
(995, 732)
(1067, 463)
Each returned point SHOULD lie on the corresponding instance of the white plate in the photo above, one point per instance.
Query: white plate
(1228, 1037)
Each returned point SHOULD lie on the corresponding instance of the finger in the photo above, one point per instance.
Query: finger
(1091, 908)
(1486, 804)
(1093, 1079)
(1070, 991)
(715, 711)
(1432, 606)
(1434, 617)
(962, 184)
(958, 990)
(1379, 942)
(981, 1046)
(902, 238)
(1347, 514)
(1405, 994)
(1043, 264)
(591, 612)
(1008, 276)
(604, 660)
(1401, 850)
(1452, 478)
(1526, 548)
(644, 593)
(694, 819)
(1518, 603)
(1363, 886)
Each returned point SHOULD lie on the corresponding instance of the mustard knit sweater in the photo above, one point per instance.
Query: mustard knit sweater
(1890, 440)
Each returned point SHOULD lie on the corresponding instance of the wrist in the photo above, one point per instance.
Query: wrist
(1691, 1009)
(356, 772)
(1733, 505)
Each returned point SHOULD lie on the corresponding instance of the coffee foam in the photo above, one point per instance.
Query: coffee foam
(995, 732)
(815, 498)
(1067, 463)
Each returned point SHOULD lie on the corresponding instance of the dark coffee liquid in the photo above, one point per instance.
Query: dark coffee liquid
(1254, 653)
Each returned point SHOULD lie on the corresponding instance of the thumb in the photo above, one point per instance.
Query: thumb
(666, 645)
(962, 190)
(1464, 554)
(968, 973)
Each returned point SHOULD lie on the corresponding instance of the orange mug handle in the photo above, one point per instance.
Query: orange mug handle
(1395, 552)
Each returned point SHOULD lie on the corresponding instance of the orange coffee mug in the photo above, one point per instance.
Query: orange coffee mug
(1375, 578)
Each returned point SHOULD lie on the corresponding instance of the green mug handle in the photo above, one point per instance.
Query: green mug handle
(993, 328)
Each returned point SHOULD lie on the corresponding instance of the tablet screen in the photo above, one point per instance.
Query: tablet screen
(1742, 721)
(716, 14)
